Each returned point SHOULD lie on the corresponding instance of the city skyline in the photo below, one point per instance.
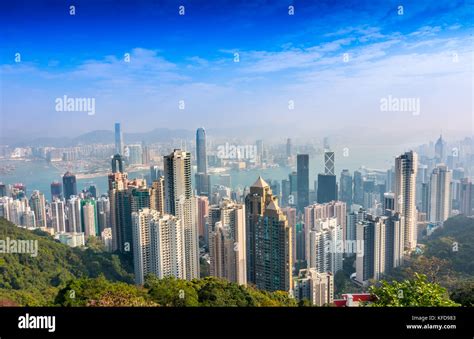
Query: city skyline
(248, 153)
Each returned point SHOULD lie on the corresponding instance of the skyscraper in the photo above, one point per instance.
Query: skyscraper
(158, 245)
(180, 202)
(358, 188)
(389, 201)
(393, 236)
(406, 166)
(290, 214)
(56, 190)
(316, 287)
(325, 240)
(440, 194)
(302, 168)
(69, 185)
(168, 248)
(103, 214)
(327, 188)
(117, 164)
(313, 214)
(141, 229)
(126, 196)
(439, 150)
(365, 233)
(353, 219)
(74, 215)
(425, 198)
(203, 213)
(89, 218)
(346, 187)
(227, 241)
(285, 192)
(58, 217)
(118, 139)
(203, 184)
(329, 164)
(155, 173)
(292, 198)
(157, 196)
(38, 206)
(203, 180)
(201, 153)
(269, 252)
(119, 208)
(467, 197)
(327, 185)
(381, 238)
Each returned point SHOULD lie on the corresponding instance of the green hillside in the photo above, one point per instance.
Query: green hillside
(60, 275)
(28, 280)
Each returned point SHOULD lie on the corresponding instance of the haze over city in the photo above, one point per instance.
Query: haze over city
(228, 155)
(255, 66)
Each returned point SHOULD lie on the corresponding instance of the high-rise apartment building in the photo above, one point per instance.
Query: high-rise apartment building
(58, 217)
(290, 214)
(38, 206)
(89, 218)
(325, 246)
(180, 202)
(157, 195)
(314, 286)
(74, 215)
(158, 245)
(203, 213)
(316, 212)
(440, 194)
(227, 241)
(382, 245)
(269, 252)
(406, 166)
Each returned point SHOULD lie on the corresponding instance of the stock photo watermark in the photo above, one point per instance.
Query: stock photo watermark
(67, 104)
(237, 152)
(20, 246)
(403, 104)
(346, 246)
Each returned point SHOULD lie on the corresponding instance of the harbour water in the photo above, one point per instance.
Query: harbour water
(39, 174)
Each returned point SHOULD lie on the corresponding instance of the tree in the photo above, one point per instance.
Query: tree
(171, 291)
(417, 292)
(101, 292)
(464, 293)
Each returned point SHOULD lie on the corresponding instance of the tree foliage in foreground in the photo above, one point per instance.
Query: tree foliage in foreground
(168, 292)
(417, 292)
(101, 292)
(36, 280)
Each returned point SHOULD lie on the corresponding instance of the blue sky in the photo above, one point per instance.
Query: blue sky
(333, 60)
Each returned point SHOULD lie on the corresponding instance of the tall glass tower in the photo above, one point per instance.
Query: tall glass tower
(302, 168)
(201, 150)
(118, 139)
